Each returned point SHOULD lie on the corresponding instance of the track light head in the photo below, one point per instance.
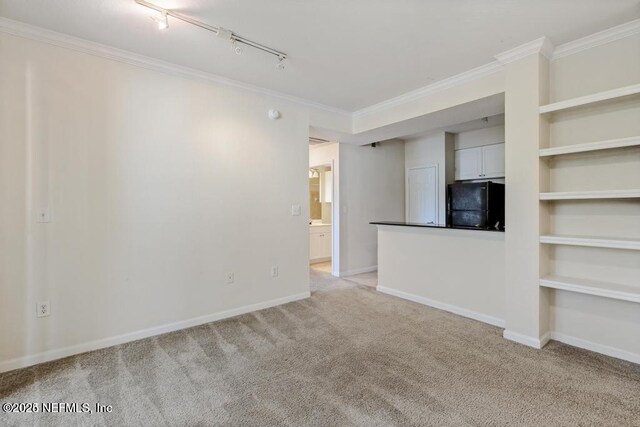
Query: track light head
(162, 20)
(224, 34)
(280, 65)
(237, 48)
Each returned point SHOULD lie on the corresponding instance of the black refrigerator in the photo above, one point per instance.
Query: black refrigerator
(476, 205)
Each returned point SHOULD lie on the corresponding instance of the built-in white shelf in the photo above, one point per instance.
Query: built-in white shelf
(592, 287)
(594, 98)
(591, 146)
(588, 195)
(593, 242)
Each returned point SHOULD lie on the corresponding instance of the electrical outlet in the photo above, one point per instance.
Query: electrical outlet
(43, 308)
(296, 210)
(230, 277)
(274, 271)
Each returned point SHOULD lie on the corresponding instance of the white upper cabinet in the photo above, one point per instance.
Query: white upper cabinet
(480, 162)
(469, 163)
(493, 161)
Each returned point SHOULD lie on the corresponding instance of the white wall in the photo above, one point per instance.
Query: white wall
(479, 137)
(371, 189)
(526, 303)
(456, 270)
(323, 154)
(157, 186)
(419, 103)
(434, 149)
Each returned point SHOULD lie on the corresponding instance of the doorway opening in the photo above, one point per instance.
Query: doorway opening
(321, 216)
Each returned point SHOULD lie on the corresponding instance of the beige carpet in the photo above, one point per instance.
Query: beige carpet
(346, 356)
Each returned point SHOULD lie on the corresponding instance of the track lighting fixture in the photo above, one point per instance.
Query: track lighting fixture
(162, 21)
(224, 34)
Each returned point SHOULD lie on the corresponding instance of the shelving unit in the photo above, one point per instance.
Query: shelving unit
(594, 98)
(633, 141)
(590, 195)
(585, 286)
(592, 242)
(592, 287)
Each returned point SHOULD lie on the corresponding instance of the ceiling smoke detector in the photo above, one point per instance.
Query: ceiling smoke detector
(274, 114)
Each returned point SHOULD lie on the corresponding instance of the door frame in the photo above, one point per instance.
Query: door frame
(406, 189)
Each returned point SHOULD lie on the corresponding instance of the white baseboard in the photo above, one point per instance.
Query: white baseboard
(598, 348)
(319, 260)
(47, 356)
(526, 339)
(359, 271)
(444, 306)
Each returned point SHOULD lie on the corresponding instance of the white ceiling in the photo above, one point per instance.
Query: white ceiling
(347, 54)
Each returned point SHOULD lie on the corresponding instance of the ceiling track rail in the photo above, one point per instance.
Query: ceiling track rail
(216, 30)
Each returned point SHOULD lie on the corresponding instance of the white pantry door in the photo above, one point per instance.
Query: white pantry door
(422, 194)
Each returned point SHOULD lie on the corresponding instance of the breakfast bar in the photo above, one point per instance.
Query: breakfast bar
(461, 270)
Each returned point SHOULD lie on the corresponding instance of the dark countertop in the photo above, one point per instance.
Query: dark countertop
(417, 224)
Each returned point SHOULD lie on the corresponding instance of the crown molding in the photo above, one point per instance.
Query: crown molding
(32, 32)
(598, 39)
(458, 79)
(542, 46)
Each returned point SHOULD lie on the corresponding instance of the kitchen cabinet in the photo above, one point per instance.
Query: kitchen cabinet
(493, 161)
(319, 242)
(480, 162)
(468, 163)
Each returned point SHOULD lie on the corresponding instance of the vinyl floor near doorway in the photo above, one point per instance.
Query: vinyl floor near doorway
(347, 356)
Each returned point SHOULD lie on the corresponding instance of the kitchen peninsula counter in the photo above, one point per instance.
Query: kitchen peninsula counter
(430, 225)
(461, 270)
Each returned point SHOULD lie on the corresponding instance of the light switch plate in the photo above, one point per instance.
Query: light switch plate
(296, 210)
(230, 278)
